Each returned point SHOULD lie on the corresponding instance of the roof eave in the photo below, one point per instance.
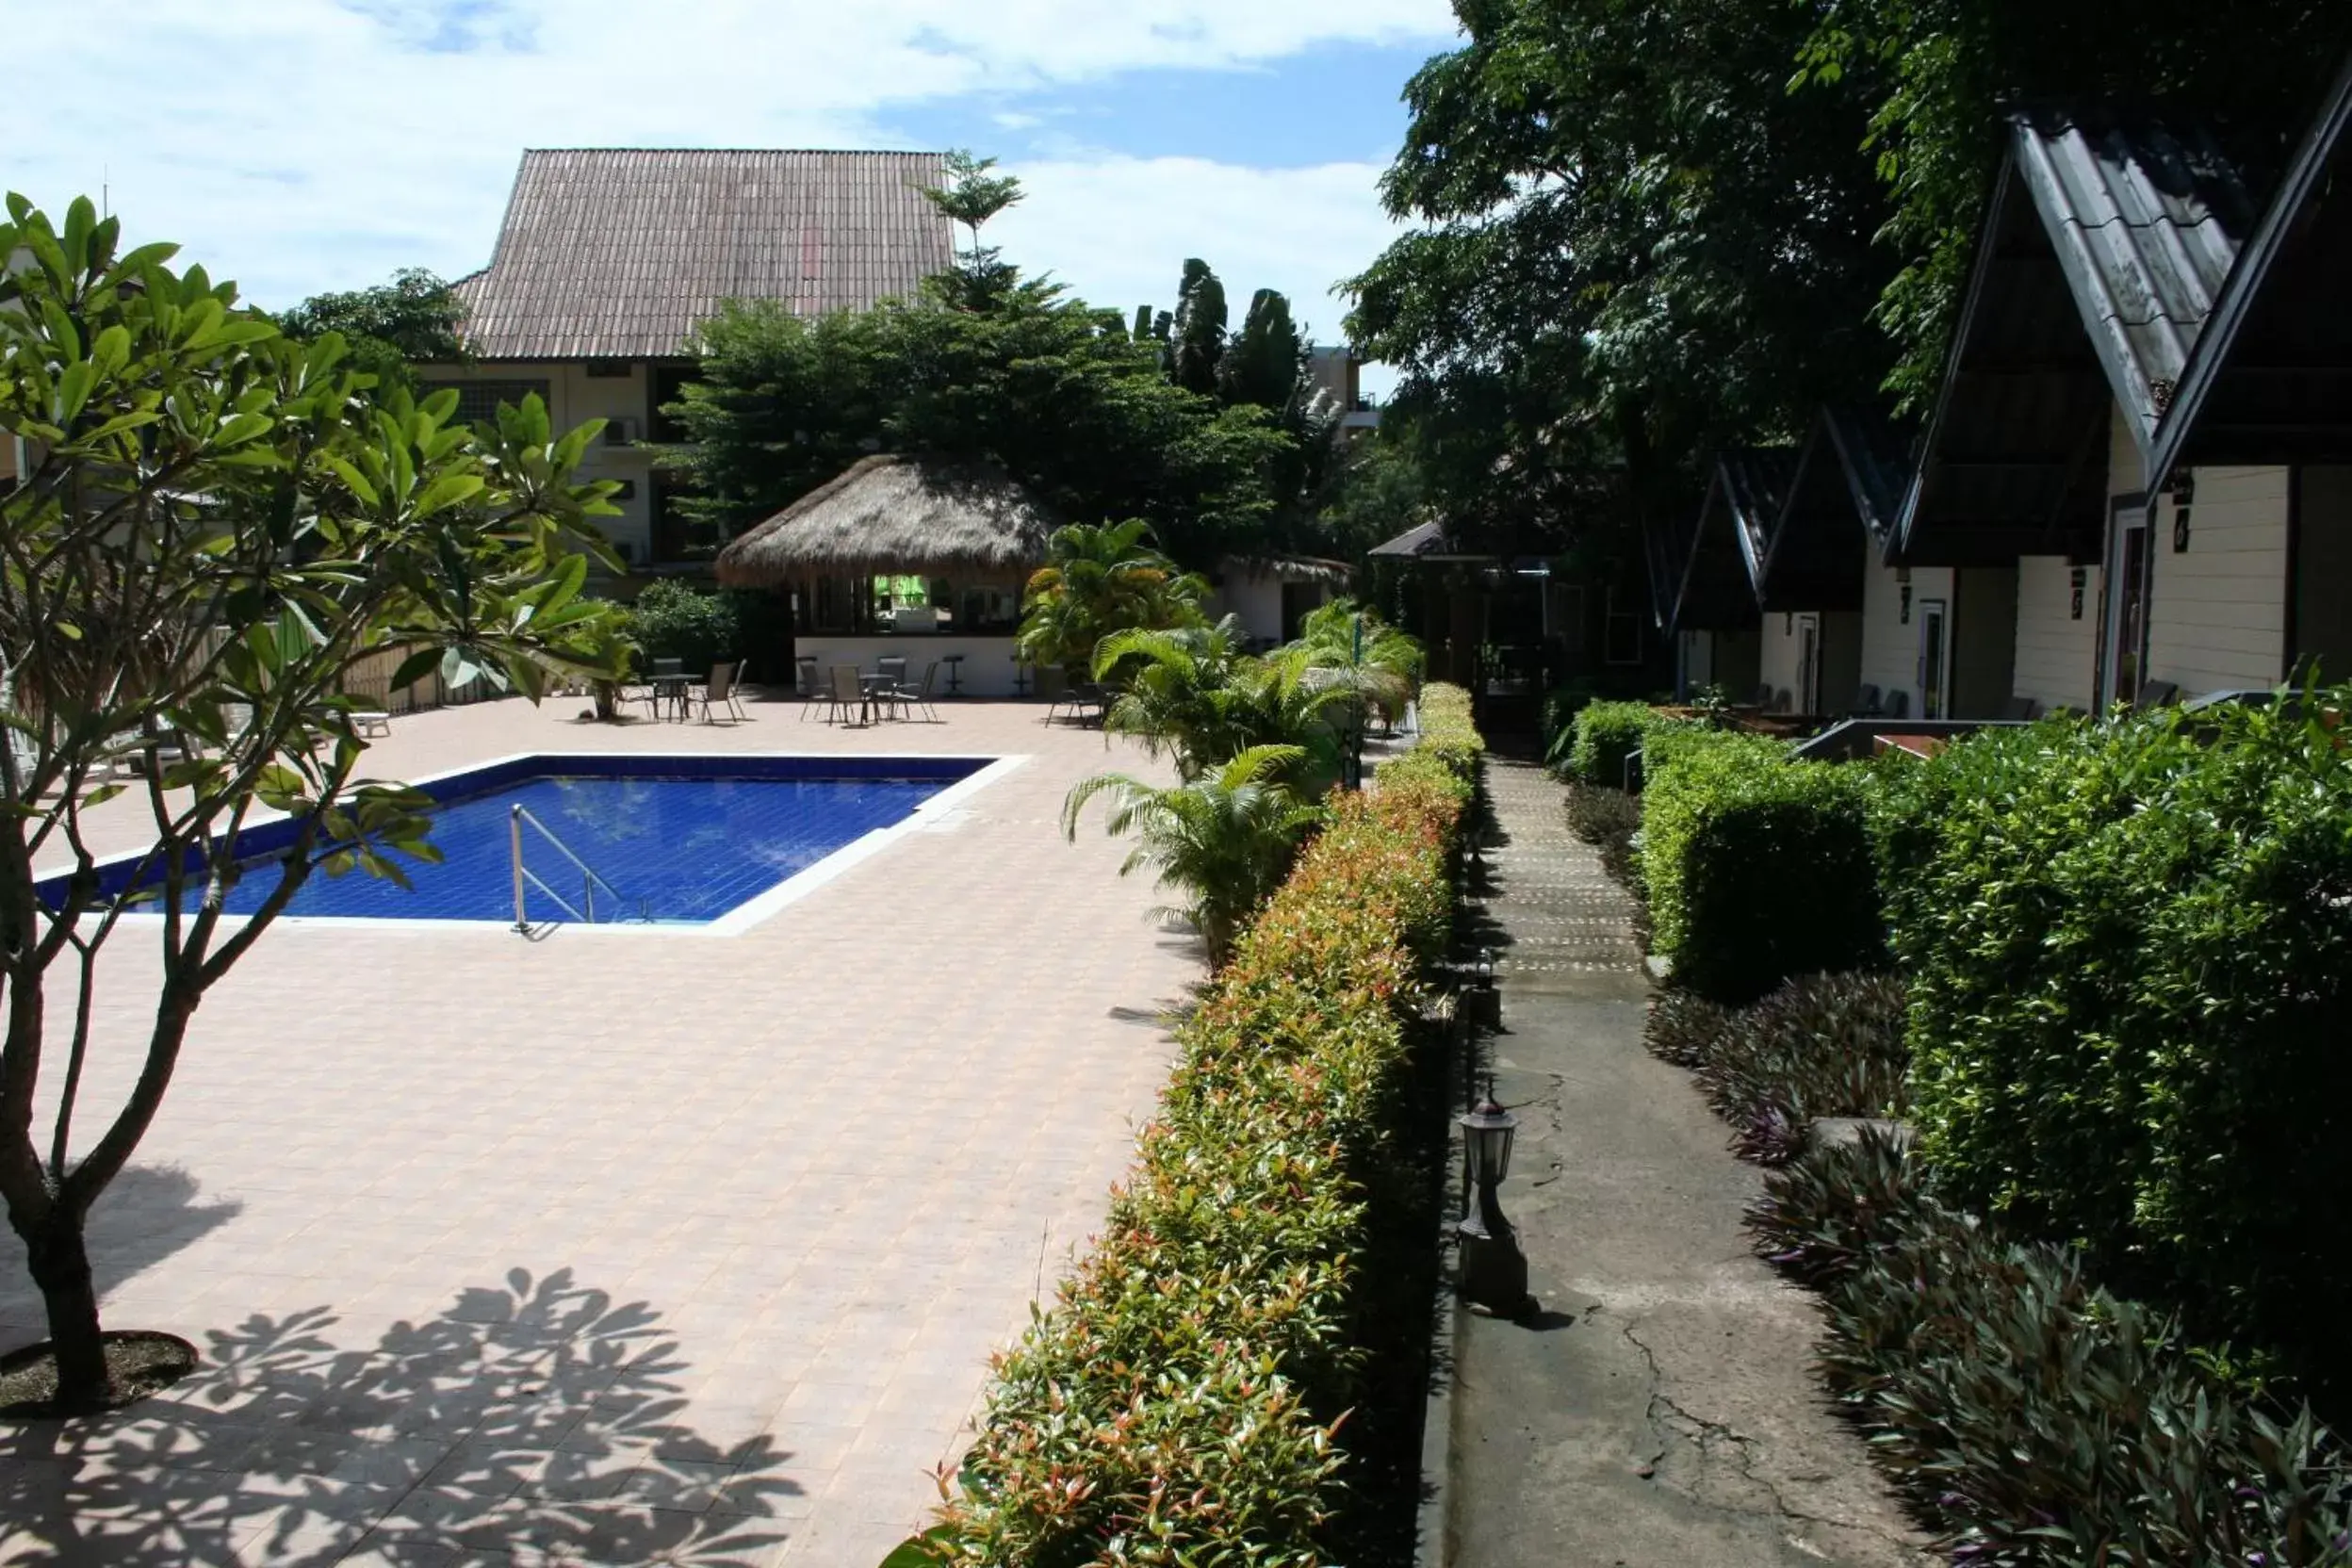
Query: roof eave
(2246, 280)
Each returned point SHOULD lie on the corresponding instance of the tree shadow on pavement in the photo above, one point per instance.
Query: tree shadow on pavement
(539, 1417)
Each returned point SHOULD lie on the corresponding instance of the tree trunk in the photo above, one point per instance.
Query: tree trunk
(60, 1266)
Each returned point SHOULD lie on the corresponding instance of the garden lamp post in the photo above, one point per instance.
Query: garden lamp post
(1493, 1272)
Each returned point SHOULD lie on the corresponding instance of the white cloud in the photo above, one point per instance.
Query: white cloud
(305, 144)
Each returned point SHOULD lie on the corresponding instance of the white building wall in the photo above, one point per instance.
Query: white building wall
(1890, 645)
(575, 396)
(2057, 655)
(2217, 612)
(1257, 599)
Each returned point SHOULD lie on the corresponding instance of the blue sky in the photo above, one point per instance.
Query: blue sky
(298, 145)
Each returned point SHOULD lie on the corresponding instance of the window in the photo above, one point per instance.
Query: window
(609, 369)
(669, 385)
(833, 606)
(477, 401)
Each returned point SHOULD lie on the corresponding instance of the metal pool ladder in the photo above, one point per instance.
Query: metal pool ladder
(590, 881)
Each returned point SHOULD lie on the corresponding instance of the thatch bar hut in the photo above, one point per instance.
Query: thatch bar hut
(916, 557)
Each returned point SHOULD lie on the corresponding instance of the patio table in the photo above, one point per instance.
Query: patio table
(671, 691)
(875, 688)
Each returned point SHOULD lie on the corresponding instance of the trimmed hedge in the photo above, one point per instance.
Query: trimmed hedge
(2033, 1417)
(1180, 1401)
(1603, 736)
(2130, 947)
(1758, 869)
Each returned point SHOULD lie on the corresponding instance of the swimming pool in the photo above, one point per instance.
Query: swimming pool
(672, 840)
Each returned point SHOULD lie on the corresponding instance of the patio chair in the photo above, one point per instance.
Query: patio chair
(719, 692)
(1866, 703)
(892, 666)
(810, 685)
(1078, 699)
(2158, 694)
(845, 695)
(2022, 708)
(1764, 697)
(908, 699)
(1898, 704)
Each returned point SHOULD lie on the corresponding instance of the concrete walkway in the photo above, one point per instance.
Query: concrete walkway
(1660, 1408)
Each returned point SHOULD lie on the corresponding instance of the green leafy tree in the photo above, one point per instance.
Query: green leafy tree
(216, 524)
(1078, 411)
(415, 319)
(972, 196)
(1936, 73)
(675, 620)
(1632, 241)
(1224, 841)
(1196, 342)
(1265, 364)
(1098, 579)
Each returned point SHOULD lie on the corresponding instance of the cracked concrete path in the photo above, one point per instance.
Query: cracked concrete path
(1661, 1408)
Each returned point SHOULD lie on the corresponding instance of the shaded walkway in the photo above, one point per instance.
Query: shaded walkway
(1660, 1409)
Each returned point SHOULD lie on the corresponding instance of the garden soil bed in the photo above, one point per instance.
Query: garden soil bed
(139, 1363)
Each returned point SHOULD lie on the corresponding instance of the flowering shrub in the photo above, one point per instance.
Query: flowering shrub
(1180, 1400)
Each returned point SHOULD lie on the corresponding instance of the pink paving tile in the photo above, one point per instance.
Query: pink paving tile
(601, 1201)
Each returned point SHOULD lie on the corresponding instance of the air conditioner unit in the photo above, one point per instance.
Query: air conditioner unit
(626, 430)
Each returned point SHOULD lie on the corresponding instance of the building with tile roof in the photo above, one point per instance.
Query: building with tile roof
(609, 258)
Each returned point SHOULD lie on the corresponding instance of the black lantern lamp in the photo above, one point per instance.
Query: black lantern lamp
(1482, 1003)
(1494, 1273)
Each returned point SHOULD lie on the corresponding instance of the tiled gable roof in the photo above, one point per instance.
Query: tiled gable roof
(618, 253)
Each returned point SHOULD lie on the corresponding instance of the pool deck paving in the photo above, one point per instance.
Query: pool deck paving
(604, 1245)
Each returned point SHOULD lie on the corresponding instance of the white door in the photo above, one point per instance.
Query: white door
(1934, 668)
(2125, 657)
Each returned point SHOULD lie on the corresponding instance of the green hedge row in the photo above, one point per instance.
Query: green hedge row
(1758, 869)
(1179, 1401)
(2129, 949)
(1602, 737)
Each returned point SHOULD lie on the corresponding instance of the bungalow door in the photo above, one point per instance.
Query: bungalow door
(1809, 663)
(2125, 657)
(1935, 667)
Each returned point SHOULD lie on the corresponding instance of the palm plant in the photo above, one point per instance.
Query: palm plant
(1098, 581)
(1190, 694)
(1361, 654)
(1224, 839)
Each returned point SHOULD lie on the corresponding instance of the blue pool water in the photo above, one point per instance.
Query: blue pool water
(679, 849)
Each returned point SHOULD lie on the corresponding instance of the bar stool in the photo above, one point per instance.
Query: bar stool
(955, 662)
(1020, 676)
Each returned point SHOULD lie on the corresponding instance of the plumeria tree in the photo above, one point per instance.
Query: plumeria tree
(211, 527)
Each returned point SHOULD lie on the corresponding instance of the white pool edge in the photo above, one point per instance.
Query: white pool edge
(744, 917)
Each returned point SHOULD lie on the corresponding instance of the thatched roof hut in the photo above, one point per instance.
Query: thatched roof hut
(923, 517)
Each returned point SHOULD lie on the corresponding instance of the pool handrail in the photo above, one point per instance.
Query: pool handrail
(519, 815)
